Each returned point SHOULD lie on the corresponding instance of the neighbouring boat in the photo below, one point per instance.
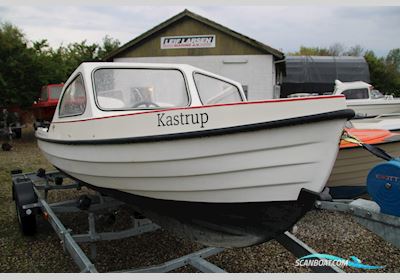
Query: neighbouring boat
(349, 174)
(185, 148)
(387, 122)
(365, 101)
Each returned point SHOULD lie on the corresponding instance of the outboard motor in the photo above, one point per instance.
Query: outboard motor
(383, 184)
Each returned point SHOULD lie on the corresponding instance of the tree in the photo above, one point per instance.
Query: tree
(18, 70)
(311, 51)
(75, 53)
(26, 66)
(108, 46)
(336, 49)
(393, 58)
(384, 76)
(356, 50)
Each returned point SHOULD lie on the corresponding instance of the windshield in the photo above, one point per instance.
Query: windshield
(126, 89)
(358, 93)
(55, 92)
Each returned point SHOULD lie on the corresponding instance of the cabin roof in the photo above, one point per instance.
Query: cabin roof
(351, 85)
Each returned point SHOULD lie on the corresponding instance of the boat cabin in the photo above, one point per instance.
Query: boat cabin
(357, 90)
(109, 88)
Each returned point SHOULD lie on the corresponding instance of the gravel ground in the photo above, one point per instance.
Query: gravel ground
(326, 232)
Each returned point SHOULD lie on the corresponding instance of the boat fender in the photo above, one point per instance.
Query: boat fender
(383, 185)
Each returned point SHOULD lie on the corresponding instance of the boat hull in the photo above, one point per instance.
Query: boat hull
(238, 190)
(387, 122)
(372, 108)
(225, 225)
(263, 165)
(353, 165)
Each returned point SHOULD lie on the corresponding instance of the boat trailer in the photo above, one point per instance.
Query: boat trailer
(381, 214)
(367, 213)
(30, 192)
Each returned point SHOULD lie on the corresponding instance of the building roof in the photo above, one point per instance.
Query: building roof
(186, 13)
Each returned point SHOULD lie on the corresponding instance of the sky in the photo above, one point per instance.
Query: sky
(285, 28)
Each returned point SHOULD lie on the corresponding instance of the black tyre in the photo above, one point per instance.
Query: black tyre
(23, 194)
(27, 223)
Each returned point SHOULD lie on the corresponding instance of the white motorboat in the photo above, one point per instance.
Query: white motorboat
(365, 101)
(185, 148)
(387, 122)
(349, 174)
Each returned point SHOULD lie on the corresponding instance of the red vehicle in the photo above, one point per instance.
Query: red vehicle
(44, 108)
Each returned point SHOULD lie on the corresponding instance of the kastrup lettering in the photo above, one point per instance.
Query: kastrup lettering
(182, 119)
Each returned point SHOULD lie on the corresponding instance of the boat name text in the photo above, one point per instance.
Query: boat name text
(182, 119)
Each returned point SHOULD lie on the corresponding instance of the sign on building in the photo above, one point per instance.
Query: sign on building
(185, 42)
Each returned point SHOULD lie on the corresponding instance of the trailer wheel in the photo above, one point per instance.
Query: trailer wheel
(24, 194)
(27, 223)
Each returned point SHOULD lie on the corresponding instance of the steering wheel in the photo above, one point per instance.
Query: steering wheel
(145, 103)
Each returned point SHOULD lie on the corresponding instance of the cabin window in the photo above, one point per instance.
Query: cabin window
(376, 94)
(127, 89)
(215, 91)
(358, 93)
(73, 101)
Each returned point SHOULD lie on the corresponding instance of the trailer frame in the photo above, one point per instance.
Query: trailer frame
(42, 182)
(367, 214)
